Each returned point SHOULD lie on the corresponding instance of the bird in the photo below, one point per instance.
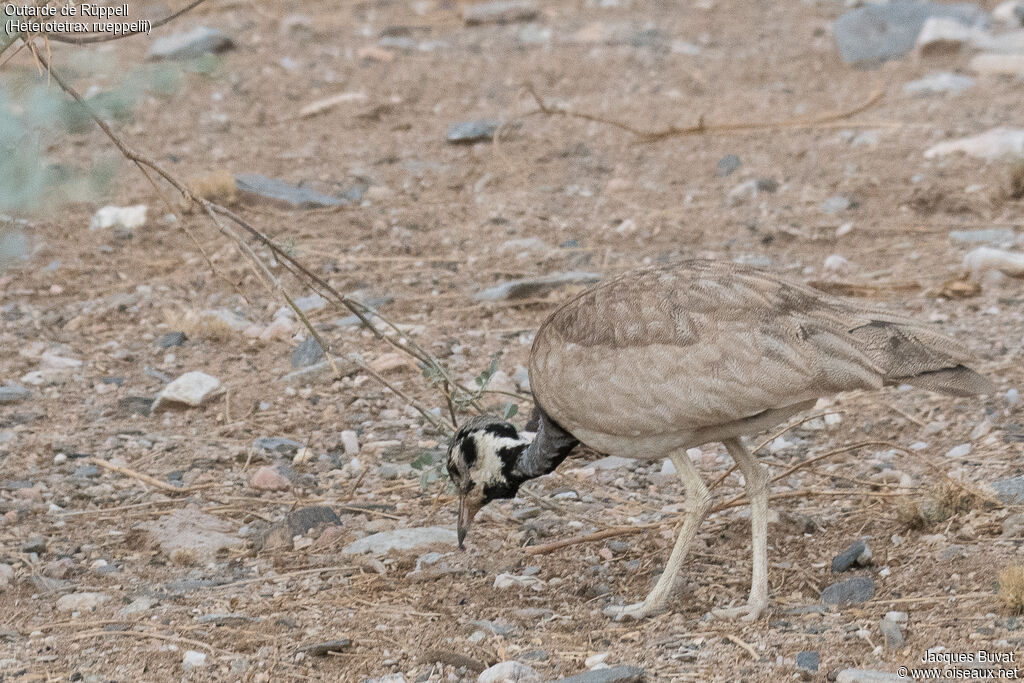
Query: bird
(672, 356)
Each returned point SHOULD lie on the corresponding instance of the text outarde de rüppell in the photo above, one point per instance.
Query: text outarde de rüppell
(58, 19)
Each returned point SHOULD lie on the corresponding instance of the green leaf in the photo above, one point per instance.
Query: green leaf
(510, 410)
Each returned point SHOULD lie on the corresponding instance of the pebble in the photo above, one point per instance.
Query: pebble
(808, 660)
(6, 575)
(13, 393)
(836, 204)
(350, 442)
(189, 536)
(141, 604)
(510, 672)
(939, 82)
(867, 676)
(521, 376)
(119, 217)
(256, 188)
(191, 389)
(276, 444)
(727, 165)
(166, 341)
(615, 674)
(942, 35)
(193, 659)
(983, 260)
(850, 556)
(190, 44)
(961, 451)
(1012, 397)
(499, 12)
(836, 264)
(269, 479)
(81, 602)
(849, 592)
(506, 580)
(612, 462)
(894, 638)
(469, 132)
(401, 540)
(1010, 491)
(307, 353)
(529, 288)
(997, 143)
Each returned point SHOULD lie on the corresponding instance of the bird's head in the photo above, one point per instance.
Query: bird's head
(482, 458)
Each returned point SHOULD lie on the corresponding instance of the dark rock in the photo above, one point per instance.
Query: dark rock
(850, 592)
(307, 353)
(259, 188)
(615, 674)
(468, 132)
(847, 558)
(35, 544)
(13, 393)
(499, 12)
(190, 44)
(135, 405)
(276, 444)
(324, 649)
(166, 341)
(297, 523)
(87, 472)
(808, 660)
(1010, 491)
(877, 33)
(727, 165)
(534, 287)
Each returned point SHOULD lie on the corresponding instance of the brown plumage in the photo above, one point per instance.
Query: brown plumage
(664, 358)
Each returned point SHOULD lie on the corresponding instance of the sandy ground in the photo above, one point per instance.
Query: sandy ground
(439, 223)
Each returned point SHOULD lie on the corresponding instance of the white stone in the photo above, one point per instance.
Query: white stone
(510, 672)
(6, 575)
(944, 35)
(836, 264)
(996, 143)
(125, 217)
(81, 602)
(668, 467)
(401, 540)
(192, 389)
(984, 260)
(961, 451)
(518, 581)
(193, 659)
(612, 462)
(350, 442)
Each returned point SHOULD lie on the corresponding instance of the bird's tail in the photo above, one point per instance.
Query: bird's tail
(910, 353)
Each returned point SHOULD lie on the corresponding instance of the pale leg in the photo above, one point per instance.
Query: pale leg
(757, 491)
(698, 504)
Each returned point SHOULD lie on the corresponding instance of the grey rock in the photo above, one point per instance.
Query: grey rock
(615, 674)
(296, 523)
(894, 638)
(867, 676)
(259, 188)
(6, 575)
(534, 287)
(35, 544)
(939, 82)
(510, 672)
(499, 12)
(140, 604)
(850, 592)
(1010, 491)
(727, 165)
(996, 236)
(493, 627)
(190, 536)
(808, 660)
(612, 462)
(469, 132)
(847, 558)
(81, 602)
(135, 405)
(401, 540)
(191, 389)
(307, 353)
(276, 444)
(837, 204)
(190, 44)
(325, 648)
(13, 393)
(87, 472)
(877, 33)
(313, 302)
(166, 341)
(1013, 526)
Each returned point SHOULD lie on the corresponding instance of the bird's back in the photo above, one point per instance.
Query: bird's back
(682, 348)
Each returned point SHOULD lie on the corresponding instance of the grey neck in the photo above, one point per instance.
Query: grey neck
(548, 449)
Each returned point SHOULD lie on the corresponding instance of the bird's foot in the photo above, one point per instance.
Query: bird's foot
(638, 610)
(748, 612)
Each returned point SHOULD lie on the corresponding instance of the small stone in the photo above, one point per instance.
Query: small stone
(1012, 397)
(894, 638)
(506, 580)
(276, 444)
(1010, 491)
(119, 217)
(350, 442)
(945, 36)
(615, 674)
(138, 605)
(269, 479)
(166, 341)
(13, 393)
(992, 236)
(499, 12)
(994, 144)
(190, 44)
(193, 659)
(401, 540)
(510, 672)
(808, 660)
(190, 536)
(939, 82)
(81, 602)
(847, 558)
(984, 260)
(850, 592)
(325, 648)
(192, 389)
(727, 165)
(256, 188)
(469, 132)
(308, 352)
(521, 376)
(6, 575)
(868, 676)
(836, 204)
(35, 544)
(612, 462)
(534, 287)
(836, 264)
(961, 451)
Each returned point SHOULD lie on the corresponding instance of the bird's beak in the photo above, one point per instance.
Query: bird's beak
(467, 511)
